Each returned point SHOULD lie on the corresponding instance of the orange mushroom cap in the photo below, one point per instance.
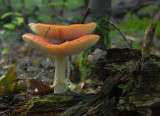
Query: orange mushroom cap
(62, 32)
(64, 49)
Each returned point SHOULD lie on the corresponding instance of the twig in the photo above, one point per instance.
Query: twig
(3, 112)
(52, 60)
(92, 108)
(148, 40)
(125, 39)
(85, 15)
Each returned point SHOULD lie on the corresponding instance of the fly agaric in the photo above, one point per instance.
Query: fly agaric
(80, 41)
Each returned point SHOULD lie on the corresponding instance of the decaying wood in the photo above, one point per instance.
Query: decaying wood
(148, 40)
(120, 94)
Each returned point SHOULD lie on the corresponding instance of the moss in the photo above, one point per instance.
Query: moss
(84, 65)
(103, 29)
(127, 86)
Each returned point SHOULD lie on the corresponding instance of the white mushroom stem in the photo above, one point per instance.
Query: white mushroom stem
(60, 83)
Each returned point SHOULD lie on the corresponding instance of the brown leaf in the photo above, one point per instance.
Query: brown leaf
(38, 87)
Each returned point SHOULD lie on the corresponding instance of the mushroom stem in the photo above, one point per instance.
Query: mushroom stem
(60, 83)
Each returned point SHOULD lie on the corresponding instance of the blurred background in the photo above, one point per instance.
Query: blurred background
(131, 16)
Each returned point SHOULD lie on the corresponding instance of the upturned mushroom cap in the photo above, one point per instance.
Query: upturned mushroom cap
(62, 32)
(64, 49)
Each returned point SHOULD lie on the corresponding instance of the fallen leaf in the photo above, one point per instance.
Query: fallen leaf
(7, 81)
(37, 87)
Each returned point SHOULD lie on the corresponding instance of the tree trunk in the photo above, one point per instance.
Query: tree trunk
(99, 12)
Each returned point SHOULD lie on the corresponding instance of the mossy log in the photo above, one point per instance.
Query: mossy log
(130, 89)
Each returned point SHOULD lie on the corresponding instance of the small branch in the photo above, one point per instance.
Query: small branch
(1, 113)
(85, 15)
(125, 39)
(148, 40)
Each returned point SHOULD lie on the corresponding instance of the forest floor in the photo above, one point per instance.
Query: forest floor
(27, 73)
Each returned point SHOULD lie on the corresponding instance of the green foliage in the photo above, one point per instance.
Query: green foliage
(9, 26)
(5, 51)
(17, 20)
(102, 30)
(45, 17)
(20, 20)
(120, 67)
(7, 36)
(68, 4)
(137, 46)
(6, 15)
(59, 4)
(74, 4)
(8, 83)
(134, 26)
(151, 9)
(127, 86)
(117, 1)
(84, 65)
(156, 62)
(9, 14)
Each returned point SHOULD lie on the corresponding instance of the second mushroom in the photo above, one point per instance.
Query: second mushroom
(74, 39)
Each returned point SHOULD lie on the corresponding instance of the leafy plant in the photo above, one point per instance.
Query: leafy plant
(84, 65)
(8, 83)
(17, 20)
(151, 9)
(127, 86)
(134, 26)
(5, 51)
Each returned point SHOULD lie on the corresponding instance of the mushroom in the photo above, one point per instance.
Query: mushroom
(62, 50)
(62, 32)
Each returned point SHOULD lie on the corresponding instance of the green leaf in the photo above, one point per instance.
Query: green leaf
(6, 15)
(7, 82)
(5, 51)
(59, 4)
(137, 46)
(42, 17)
(9, 26)
(20, 20)
(17, 14)
(60, 17)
